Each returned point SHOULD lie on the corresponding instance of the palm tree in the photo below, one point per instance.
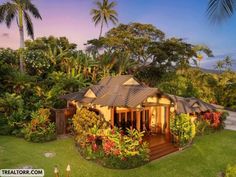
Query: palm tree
(19, 9)
(104, 13)
(219, 10)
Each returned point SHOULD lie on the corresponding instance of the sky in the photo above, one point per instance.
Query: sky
(185, 19)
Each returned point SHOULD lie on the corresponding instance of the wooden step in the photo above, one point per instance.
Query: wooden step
(161, 150)
(163, 145)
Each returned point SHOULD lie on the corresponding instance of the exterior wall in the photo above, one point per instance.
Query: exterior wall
(152, 99)
(105, 111)
(131, 81)
(90, 94)
(164, 101)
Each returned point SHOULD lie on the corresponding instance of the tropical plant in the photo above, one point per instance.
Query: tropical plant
(114, 149)
(106, 62)
(219, 10)
(36, 62)
(40, 129)
(104, 13)
(224, 65)
(84, 120)
(19, 9)
(202, 126)
(183, 128)
(216, 119)
(12, 114)
(124, 64)
(10, 104)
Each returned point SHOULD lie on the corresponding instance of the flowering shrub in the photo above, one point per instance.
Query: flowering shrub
(213, 118)
(84, 120)
(210, 121)
(36, 62)
(40, 129)
(183, 128)
(113, 149)
(216, 119)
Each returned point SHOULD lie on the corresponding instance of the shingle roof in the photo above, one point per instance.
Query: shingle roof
(191, 105)
(110, 91)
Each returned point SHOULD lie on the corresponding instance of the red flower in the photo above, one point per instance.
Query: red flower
(108, 145)
(116, 152)
(91, 138)
(213, 117)
(95, 147)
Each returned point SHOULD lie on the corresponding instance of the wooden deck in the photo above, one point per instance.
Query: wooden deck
(159, 146)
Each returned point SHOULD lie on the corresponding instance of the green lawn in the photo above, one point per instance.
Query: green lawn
(207, 157)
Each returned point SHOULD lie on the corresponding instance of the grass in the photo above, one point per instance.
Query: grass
(208, 156)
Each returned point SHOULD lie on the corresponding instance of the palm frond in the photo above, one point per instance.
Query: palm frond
(10, 15)
(99, 4)
(218, 10)
(4, 8)
(31, 7)
(29, 25)
(113, 19)
(111, 5)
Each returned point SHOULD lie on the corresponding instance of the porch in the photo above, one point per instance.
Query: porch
(153, 119)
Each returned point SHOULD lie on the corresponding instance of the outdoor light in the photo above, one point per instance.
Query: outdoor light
(68, 170)
(56, 171)
(172, 107)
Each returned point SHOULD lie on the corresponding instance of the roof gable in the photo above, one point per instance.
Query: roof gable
(90, 94)
(131, 81)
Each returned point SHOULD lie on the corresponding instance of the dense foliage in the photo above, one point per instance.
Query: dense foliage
(183, 128)
(84, 120)
(113, 149)
(54, 66)
(210, 122)
(218, 88)
(40, 129)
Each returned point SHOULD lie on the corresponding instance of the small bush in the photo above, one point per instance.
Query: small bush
(230, 171)
(113, 149)
(40, 129)
(183, 128)
(216, 119)
(84, 120)
(5, 128)
(202, 126)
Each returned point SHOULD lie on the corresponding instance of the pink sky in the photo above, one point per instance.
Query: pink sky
(58, 20)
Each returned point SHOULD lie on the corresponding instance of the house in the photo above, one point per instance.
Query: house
(126, 103)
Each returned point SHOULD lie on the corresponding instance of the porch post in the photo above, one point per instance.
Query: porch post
(167, 130)
(112, 116)
(143, 120)
(159, 119)
(138, 120)
(132, 119)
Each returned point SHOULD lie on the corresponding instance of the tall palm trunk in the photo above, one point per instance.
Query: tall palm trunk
(101, 29)
(22, 42)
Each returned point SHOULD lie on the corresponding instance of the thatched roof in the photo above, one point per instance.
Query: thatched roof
(113, 91)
